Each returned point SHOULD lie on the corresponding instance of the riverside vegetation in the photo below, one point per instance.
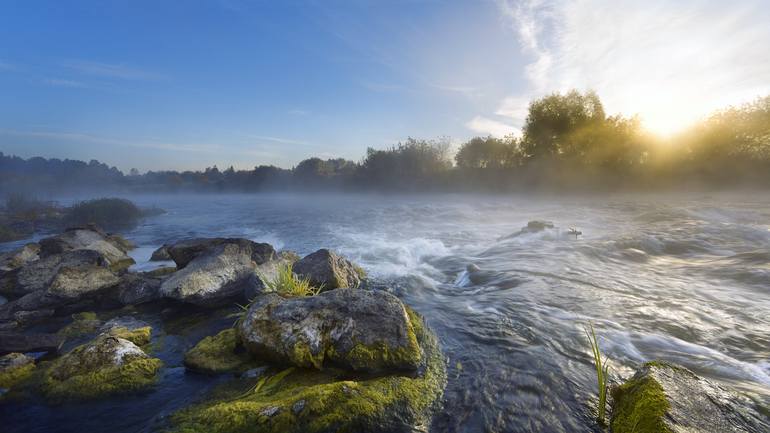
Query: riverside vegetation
(314, 350)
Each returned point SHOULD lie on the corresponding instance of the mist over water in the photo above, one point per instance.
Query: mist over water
(683, 278)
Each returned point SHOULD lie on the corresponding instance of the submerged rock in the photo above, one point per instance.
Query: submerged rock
(161, 254)
(109, 364)
(89, 238)
(220, 353)
(186, 251)
(214, 276)
(327, 270)
(15, 367)
(663, 397)
(82, 323)
(298, 400)
(358, 330)
(24, 343)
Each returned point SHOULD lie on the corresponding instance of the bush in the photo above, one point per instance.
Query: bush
(109, 213)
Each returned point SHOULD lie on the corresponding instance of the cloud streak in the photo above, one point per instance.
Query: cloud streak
(109, 70)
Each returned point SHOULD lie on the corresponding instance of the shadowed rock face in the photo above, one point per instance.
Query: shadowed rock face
(186, 251)
(327, 270)
(663, 397)
(13, 260)
(354, 329)
(222, 272)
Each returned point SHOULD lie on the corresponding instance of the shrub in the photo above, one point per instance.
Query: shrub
(108, 213)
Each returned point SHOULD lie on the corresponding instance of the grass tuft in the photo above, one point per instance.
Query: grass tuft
(287, 283)
(601, 372)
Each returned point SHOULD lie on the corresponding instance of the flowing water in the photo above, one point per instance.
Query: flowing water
(681, 278)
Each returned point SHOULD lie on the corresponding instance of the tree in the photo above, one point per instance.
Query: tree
(489, 152)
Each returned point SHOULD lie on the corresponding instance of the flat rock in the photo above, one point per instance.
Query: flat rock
(327, 270)
(61, 273)
(666, 397)
(185, 251)
(222, 272)
(24, 343)
(358, 330)
(161, 254)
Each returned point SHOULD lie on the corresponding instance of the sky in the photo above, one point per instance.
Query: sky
(167, 84)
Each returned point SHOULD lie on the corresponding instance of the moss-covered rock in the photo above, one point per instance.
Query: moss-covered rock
(328, 270)
(107, 365)
(15, 367)
(309, 400)
(359, 330)
(663, 397)
(218, 354)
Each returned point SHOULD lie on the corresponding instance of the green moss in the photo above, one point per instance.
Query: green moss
(640, 406)
(360, 272)
(139, 336)
(12, 376)
(121, 265)
(162, 271)
(218, 354)
(308, 400)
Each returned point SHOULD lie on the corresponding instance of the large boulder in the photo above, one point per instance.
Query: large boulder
(663, 397)
(297, 400)
(137, 288)
(220, 353)
(41, 274)
(107, 365)
(359, 330)
(89, 238)
(186, 251)
(213, 277)
(327, 270)
(161, 254)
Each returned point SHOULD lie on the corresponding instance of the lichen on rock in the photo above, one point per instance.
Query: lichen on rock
(308, 400)
(14, 368)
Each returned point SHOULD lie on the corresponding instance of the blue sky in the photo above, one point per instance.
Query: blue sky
(189, 84)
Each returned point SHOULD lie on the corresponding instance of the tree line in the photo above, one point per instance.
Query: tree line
(568, 141)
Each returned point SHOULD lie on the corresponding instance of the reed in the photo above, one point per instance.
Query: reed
(601, 372)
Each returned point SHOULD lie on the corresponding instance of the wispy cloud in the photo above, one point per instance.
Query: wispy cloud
(486, 126)
(59, 82)
(469, 92)
(278, 140)
(79, 137)
(6, 66)
(110, 70)
(298, 112)
(670, 61)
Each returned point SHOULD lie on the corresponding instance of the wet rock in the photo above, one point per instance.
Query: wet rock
(107, 365)
(15, 259)
(294, 400)
(663, 397)
(25, 343)
(128, 322)
(135, 289)
(161, 254)
(326, 269)
(212, 278)
(88, 238)
(185, 251)
(354, 329)
(535, 226)
(82, 323)
(268, 271)
(218, 354)
(15, 367)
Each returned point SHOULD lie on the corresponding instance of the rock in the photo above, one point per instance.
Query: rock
(15, 259)
(220, 353)
(62, 273)
(25, 343)
(25, 318)
(327, 270)
(663, 397)
(135, 289)
(354, 329)
(160, 272)
(88, 238)
(15, 367)
(107, 365)
(537, 226)
(212, 278)
(255, 373)
(82, 323)
(297, 400)
(185, 251)
(268, 271)
(161, 254)
(128, 322)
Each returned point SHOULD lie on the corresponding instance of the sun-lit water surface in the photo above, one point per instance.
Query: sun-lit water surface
(682, 278)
